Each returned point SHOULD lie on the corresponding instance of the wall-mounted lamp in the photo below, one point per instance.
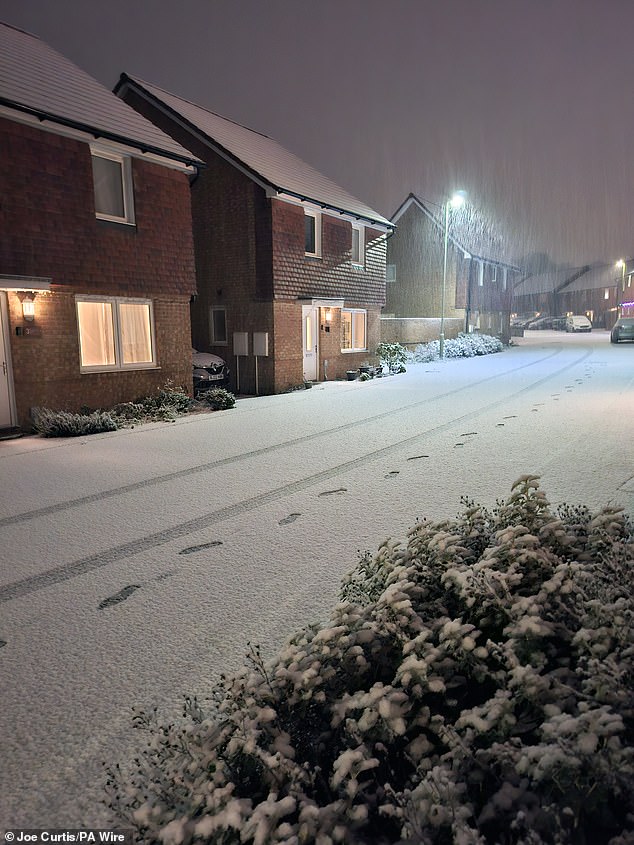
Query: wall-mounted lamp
(28, 306)
(328, 315)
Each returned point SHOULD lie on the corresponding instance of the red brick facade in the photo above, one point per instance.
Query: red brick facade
(48, 229)
(250, 260)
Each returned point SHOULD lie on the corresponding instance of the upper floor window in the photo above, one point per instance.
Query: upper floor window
(312, 232)
(112, 180)
(358, 244)
(354, 329)
(390, 273)
(115, 333)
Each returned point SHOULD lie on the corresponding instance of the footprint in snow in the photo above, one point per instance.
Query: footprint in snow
(417, 457)
(334, 492)
(290, 518)
(468, 433)
(191, 549)
(392, 473)
(2, 643)
(510, 417)
(122, 595)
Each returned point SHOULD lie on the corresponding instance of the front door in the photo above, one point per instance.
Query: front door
(5, 366)
(310, 339)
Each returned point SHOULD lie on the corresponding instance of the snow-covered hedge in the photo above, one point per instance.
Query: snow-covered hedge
(474, 685)
(463, 346)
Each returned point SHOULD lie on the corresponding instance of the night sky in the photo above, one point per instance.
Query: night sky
(525, 104)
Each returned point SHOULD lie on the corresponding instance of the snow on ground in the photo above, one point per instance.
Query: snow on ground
(137, 565)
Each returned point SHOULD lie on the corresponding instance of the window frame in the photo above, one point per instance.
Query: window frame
(360, 228)
(119, 364)
(353, 347)
(127, 192)
(213, 341)
(316, 216)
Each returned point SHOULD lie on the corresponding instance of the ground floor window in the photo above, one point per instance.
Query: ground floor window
(218, 326)
(353, 330)
(115, 333)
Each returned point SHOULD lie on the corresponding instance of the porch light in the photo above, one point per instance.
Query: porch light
(28, 306)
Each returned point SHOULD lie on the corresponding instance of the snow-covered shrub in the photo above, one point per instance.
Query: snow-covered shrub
(167, 403)
(51, 423)
(218, 398)
(474, 685)
(463, 346)
(393, 356)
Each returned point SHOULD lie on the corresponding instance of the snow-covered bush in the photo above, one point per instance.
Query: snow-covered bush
(463, 346)
(50, 423)
(393, 356)
(167, 403)
(218, 398)
(474, 685)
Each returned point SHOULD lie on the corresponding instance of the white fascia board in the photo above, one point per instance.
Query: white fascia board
(331, 211)
(51, 126)
(25, 283)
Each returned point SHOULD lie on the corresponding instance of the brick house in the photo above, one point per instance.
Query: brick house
(290, 267)
(96, 244)
(479, 280)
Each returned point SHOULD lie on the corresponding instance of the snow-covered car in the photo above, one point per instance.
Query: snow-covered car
(209, 371)
(578, 323)
(623, 329)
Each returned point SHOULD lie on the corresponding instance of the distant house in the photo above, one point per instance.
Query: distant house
(290, 267)
(96, 245)
(600, 291)
(479, 279)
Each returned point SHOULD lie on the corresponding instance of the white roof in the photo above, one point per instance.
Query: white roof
(264, 159)
(37, 80)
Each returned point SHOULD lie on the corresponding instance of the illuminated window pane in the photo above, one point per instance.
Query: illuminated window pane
(96, 334)
(136, 333)
(309, 333)
(358, 329)
(353, 329)
(346, 326)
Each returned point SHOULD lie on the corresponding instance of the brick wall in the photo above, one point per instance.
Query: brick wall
(48, 228)
(332, 275)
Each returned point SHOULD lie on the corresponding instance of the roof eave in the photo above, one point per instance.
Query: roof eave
(42, 116)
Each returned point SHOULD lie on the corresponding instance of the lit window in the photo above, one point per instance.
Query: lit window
(312, 232)
(112, 180)
(218, 326)
(115, 334)
(606, 295)
(358, 245)
(354, 323)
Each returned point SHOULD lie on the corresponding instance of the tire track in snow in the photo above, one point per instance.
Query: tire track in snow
(26, 586)
(222, 462)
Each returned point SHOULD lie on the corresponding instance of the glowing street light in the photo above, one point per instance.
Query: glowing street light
(455, 201)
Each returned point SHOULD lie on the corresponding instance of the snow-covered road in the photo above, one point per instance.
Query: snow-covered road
(137, 565)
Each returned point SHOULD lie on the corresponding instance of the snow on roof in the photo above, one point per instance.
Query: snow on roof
(264, 159)
(570, 278)
(37, 80)
(469, 230)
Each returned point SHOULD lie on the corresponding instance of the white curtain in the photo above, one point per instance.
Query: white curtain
(96, 333)
(136, 332)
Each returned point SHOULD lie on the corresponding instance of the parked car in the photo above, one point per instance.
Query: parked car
(623, 329)
(578, 323)
(209, 371)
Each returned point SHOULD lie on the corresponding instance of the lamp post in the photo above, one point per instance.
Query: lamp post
(454, 202)
(622, 263)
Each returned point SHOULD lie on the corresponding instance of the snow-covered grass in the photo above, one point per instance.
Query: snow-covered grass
(463, 346)
(474, 685)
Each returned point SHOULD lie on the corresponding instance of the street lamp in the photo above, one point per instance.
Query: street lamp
(454, 202)
(622, 263)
